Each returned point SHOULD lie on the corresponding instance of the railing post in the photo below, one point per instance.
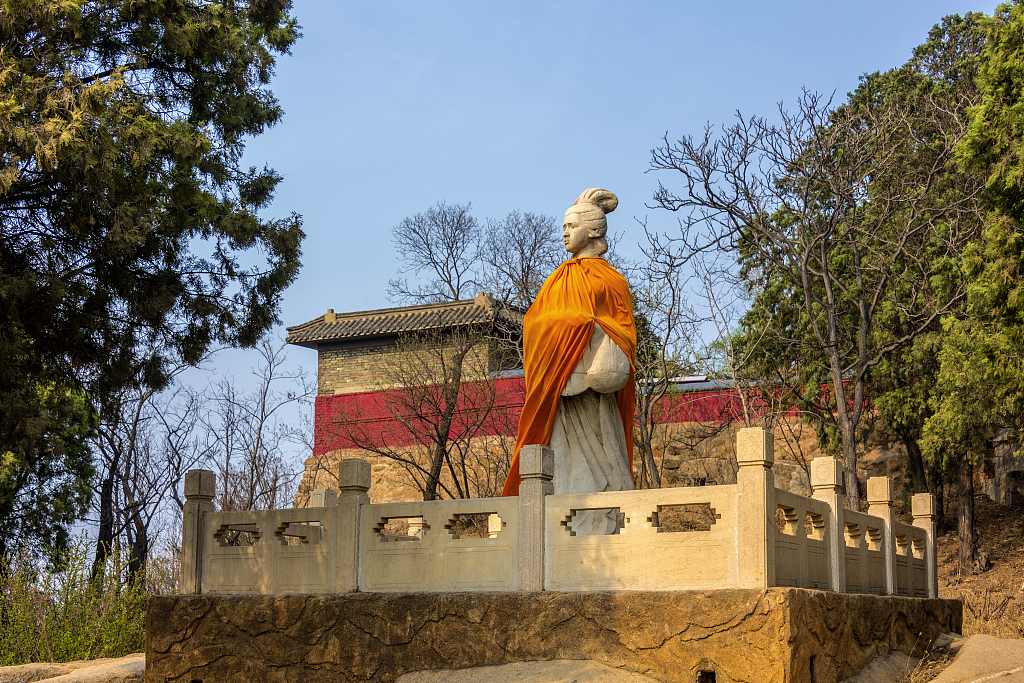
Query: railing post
(494, 525)
(923, 507)
(827, 482)
(353, 483)
(537, 468)
(323, 498)
(200, 488)
(755, 484)
(880, 505)
(416, 527)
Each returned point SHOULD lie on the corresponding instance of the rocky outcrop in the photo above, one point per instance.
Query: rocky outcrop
(128, 669)
(777, 635)
(557, 671)
(986, 658)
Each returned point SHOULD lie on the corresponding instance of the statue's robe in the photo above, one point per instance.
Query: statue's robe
(556, 330)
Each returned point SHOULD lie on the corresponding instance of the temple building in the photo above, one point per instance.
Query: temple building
(362, 357)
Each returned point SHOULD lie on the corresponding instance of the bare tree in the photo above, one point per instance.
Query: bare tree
(688, 313)
(146, 442)
(658, 308)
(442, 245)
(450, 254)
(825, 202)
(518, 253)
(248, 433)
(442, 405)
(730, 356)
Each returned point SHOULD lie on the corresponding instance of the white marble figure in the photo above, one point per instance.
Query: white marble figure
(588, 439)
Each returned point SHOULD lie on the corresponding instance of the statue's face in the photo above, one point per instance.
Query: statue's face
(575, 234)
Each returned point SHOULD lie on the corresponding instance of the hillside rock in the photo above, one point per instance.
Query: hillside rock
(130, 669)
(776, 635)
(556, 671)
(983, 658)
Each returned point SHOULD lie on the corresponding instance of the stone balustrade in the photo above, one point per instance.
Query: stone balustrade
(746, 535)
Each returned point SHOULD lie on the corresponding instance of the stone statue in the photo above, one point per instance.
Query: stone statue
(579, 344)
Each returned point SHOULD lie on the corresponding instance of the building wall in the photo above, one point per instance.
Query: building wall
(349, 420)
(393, 482)
(347, 368)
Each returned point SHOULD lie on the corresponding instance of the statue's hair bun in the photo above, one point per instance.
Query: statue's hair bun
(599, 197)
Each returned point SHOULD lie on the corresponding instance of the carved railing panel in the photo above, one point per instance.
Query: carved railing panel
(455, 545)
(658, 544)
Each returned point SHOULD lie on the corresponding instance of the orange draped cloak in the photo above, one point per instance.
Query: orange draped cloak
(556, 331)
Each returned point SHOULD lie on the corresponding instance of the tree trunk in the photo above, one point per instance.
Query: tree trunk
(850, 470)
(649, 475)
(937, 488)
(965, 514)
(640, 480)
(648, 455)
(138, 554)
(105, 535)
(915, 463)
(436, 462)
(652, 467)
(455, 477)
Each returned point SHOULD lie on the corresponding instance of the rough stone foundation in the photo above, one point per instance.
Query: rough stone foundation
(776, 635)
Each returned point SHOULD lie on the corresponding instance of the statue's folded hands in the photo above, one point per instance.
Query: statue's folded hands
(603, 368)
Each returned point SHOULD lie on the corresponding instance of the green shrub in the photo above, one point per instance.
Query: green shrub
(58, 615)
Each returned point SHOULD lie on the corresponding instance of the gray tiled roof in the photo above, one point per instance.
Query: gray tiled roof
(332, 327)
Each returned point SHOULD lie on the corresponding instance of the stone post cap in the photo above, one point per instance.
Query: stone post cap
(323, 498)
(536, 461)
(826, 473)
(880, 490)
(923, 505)
(200, 485)
(755, 446)
(353, 475)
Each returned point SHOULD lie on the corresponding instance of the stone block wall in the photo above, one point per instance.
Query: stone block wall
(344, 370)
(350, 368)
(756, 636)
(391, 483)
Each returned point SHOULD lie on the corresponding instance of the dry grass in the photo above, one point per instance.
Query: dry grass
(933, 663)
(995, 612)
(993, 600)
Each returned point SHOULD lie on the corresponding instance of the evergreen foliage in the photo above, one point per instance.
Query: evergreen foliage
(130, 235)
(979, 391)
(45, 477)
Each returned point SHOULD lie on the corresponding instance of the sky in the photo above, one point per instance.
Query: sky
(391, 107)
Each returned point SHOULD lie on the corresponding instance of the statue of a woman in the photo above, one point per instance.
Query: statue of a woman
(579, 343)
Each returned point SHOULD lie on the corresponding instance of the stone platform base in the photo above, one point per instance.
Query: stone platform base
(779, 635)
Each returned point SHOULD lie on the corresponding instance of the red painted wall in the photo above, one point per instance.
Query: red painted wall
(367, 414)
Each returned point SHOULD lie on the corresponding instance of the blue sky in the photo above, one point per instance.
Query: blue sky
(394, 106)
